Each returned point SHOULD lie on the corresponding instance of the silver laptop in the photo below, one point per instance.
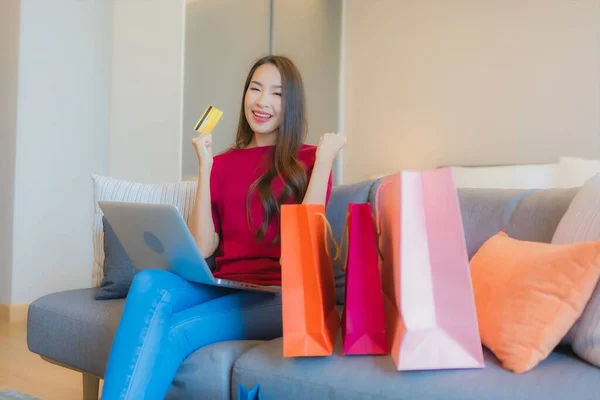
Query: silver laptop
(155, 236)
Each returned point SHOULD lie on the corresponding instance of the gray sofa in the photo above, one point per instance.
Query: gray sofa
(74, 330)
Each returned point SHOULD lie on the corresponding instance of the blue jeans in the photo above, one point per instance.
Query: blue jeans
(166, 318)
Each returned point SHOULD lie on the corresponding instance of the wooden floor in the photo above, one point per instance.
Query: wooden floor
(26, 372)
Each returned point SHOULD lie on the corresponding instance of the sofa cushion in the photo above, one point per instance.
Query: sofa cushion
(524, 214)
(561, 376)
(113, 268)
(75, 329)
(206, 373)
(531, 214)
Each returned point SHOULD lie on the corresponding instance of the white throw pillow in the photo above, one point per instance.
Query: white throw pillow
(521, 176)
(574, 172)
(180, 194)
(518, 176)
(581, 223)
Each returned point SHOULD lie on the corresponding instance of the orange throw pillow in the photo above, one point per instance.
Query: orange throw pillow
(529, 294)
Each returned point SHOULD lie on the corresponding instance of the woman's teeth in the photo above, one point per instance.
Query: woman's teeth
(261, 115)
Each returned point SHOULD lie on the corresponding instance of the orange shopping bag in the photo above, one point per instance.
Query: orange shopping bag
(310, 317)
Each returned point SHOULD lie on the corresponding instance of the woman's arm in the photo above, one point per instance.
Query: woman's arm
(319, 185)
(202, 225)
(201, 222)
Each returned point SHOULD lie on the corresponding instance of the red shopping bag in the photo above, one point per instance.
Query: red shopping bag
(363, 317)
(430, 306)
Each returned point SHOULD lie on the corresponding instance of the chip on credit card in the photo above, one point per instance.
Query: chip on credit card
(208, 120)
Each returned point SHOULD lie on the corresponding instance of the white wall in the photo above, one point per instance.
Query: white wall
(146, 98)
(62, 125)
(9, 62)
(220, 47)
(317, 55)
(437, 82)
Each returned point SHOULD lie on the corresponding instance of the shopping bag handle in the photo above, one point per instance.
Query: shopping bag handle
(377, 216)
(380, 189)
(345, 240)
(329, 235)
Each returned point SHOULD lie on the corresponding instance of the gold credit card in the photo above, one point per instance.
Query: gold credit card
(209, 119)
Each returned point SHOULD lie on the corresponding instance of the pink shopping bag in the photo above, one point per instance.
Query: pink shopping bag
(430, 308)
(363, 317)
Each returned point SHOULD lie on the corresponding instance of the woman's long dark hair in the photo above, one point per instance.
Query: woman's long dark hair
(292, 132)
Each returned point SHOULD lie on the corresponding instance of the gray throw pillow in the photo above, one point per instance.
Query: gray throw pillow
(581, 223)
(118, 269)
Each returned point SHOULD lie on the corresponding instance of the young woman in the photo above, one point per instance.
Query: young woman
(236, 218)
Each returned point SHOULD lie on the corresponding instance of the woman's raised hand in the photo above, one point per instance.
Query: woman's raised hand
(203, 146)
(329, 146)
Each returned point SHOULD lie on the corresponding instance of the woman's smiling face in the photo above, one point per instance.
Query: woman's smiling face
(262, 101)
